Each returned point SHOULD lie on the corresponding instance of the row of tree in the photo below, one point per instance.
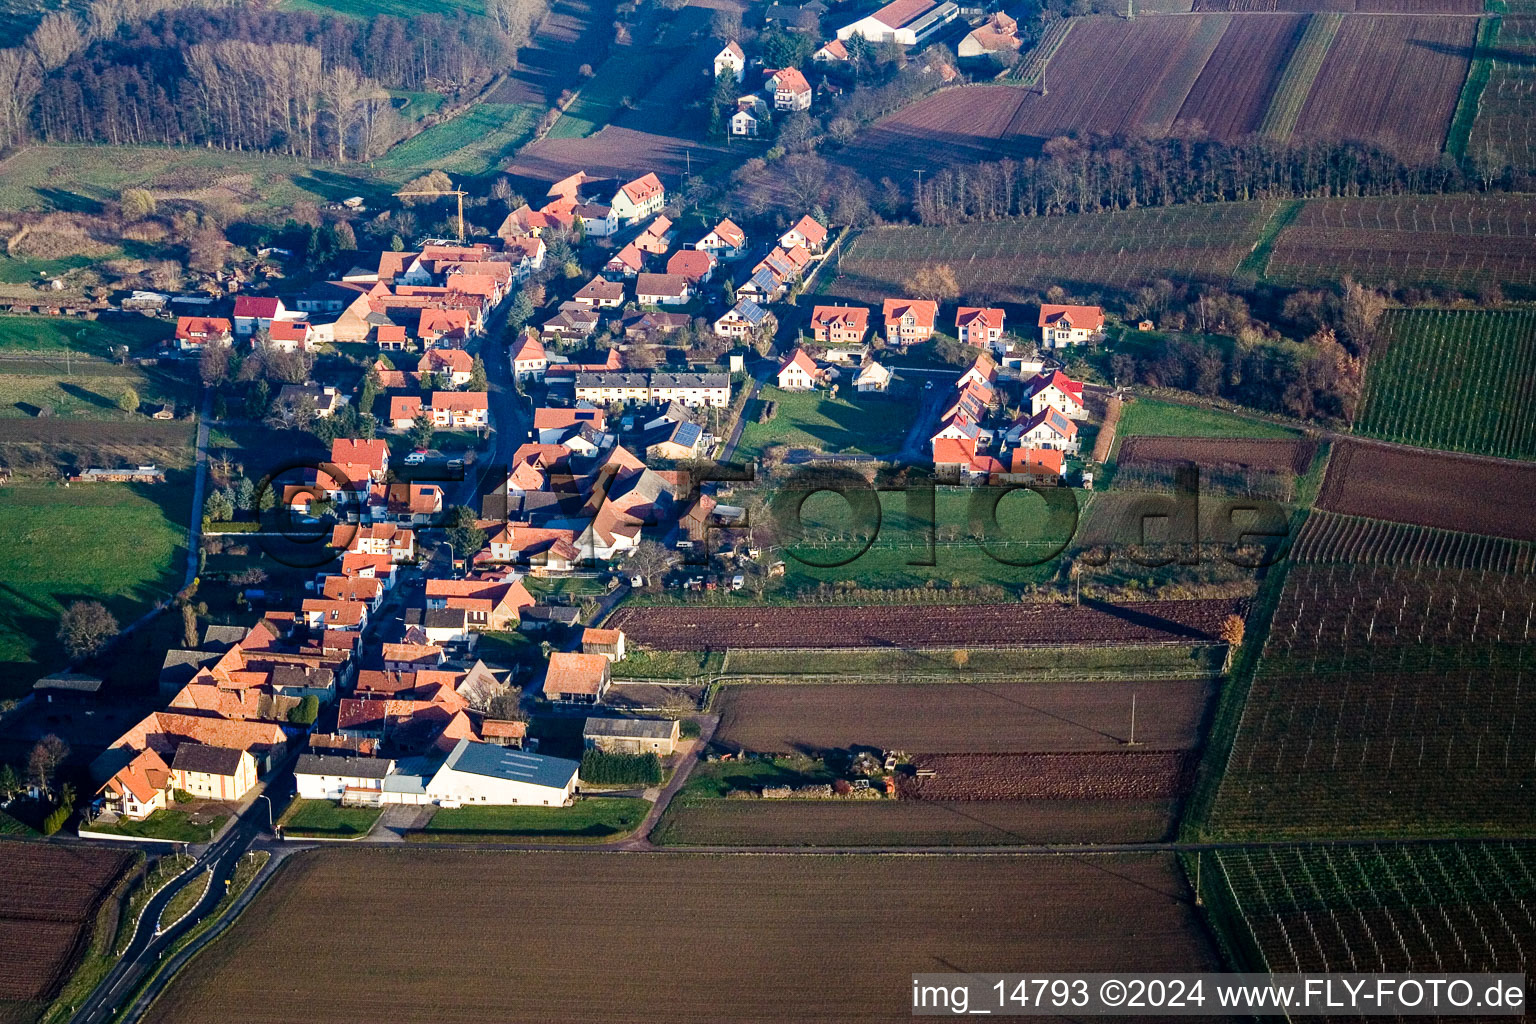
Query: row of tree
(1098, 173)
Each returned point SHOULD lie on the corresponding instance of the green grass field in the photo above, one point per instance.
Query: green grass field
(590, 820)
(170, 823)
(1149, 417)
(646, 664)
(1459, 379)
(93, 337)
(328, 819)
(1299, 75)
(474, 142)
(628, 73)
(365, 9)
(120, 544)
(871, 425)
(418, 104)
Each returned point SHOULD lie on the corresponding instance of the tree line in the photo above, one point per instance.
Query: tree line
(245, 78)
(1097, 174)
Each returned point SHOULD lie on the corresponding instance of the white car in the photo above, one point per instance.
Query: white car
(414, 459)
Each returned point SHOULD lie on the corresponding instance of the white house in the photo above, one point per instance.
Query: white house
(725, 241)
(1061, 326)
(485, 773)
(872, 377)
(744, 124)
(908, 22)
(799, 372)
(662, 290)
(1056, 390)
(1048, 428)
(731, 61)
(638, 199)
(529, 360)
(329, 777)
(790, 90)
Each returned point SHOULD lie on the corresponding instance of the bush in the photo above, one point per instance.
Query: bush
(603, 769)
(690, 729)
(56, 819)
(181, 796)
(306, 711)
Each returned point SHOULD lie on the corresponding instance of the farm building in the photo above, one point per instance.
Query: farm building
(609, 643)
(576, 678)
(908, 22)
(503, 732)
(137, 475)
(999, 34)
(325, 777)
(1061, 326)
(631, 735)
(486, 773)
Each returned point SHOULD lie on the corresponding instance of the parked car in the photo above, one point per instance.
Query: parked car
(738, 581)
(415, 459)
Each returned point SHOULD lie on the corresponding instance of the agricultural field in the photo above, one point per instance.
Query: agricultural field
(47, 906)
(121, 544)
(593, 820)
(1371, 908)
(1268, 456)
(1012, 261)
(1391, 79)
(1237, 85)
(550, 65)
(85, 388)
(1458, 379)
(54, 334)
(959, 717)
(966, 125)
(1030, 664)
(1388, 701)
(937, 626)
(474, 142)
(1116, 775)
(851, 422)
(365, 9)
(909, 823)
(1298, 74)
(1451, 241)
(613, 152)
(1504, 128)
(1348, 6)
(1446, 492)
(1121, 913)
(1328, 539)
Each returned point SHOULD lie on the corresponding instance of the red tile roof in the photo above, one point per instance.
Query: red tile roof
(259, 307)
(1084, 318)
(924, 312)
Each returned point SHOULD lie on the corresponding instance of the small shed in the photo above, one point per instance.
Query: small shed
(631, 735)
(607, 642)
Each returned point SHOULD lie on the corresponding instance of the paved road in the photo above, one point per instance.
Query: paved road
(199, 487)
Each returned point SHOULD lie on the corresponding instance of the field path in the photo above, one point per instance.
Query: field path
(641, 839)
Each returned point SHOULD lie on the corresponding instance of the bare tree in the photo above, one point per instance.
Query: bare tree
(85, 627)
(56, 39)
(43, 763)
(19, 83)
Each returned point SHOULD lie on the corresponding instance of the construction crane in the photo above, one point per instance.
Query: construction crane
(444, 192)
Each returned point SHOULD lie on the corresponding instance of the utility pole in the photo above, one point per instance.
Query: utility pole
(1132, 741)
(1198, 901)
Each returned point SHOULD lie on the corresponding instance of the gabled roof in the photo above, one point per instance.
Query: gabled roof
(729, 233)
(849, 317)
(950, 451)
(196, 757)
(575, 673)
(835, 49)
(1061, 382)
(642, 188)
(978, 316)
(790, 80)
(690, 264)
(903, 12)
(262, 307)
(799, 358)
(1038, 460)
(601, 289)
(669, 285)
(734, 49)
(511, 765)
(1054, 420)
(924, 312)
(749, 311)
(629, 257)
(530, 349)
(1084, 318)
(342, 767)
(195, 326)
(372, 454)
(455, 360)
(460, 401)
(808, 227)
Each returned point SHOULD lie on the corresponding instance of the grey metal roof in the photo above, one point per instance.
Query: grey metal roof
(197, 757)
(630, 728)
(496, 762)
(346, 767)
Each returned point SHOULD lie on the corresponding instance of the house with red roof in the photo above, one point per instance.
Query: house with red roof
(290, 335)
(256, 312)
(908, 321)
(790, 90)
(1057, 390)
(1048, 428)
(638, 199)
(529, 360)
(908, 22)
(193, 333)
(839, 325)
(831, 52)
(695, 266)
(361, 460)
(600, 293)
(799, 372)
(460, 409)
(731, 61)
(662, 290)
(807, 232)
(455, 363)
(725, 241)
(656, 239)
(627, 262)
(1036, 466)
(1063, 326)
(979, 326)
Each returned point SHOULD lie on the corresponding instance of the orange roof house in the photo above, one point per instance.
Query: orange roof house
(839, 325)
(576, 678)
(978, 326)
(909, 321)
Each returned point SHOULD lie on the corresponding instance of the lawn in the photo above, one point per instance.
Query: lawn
(647, 664)
(589, 820)
(418, 104)
(90, 389)
(1149, 417)
(628, 73)
(171, 823)
(94, 337)
(812, 419)
(474, 142)
(1458, 379)
(84, 178)
(506, 650)
(328, 819)
(395, 8)
(121, 544)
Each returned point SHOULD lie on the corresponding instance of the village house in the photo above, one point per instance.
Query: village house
(1063, 326)
(745, 123)
(997, 35)
(361, 460)
(743, 319)
(454, 363)
(798, 372)
(1049, 428)
(460, 409)
(627, 262)
(807, 233)
(725, 241)
(959, 458)
(908, 22)
(691, 389)
(656, 239)
(662, 290)
(576, 678)
(790, 90)
(1039, 466)
(657, 736)
(1056, 390)
(638, 199)
(692, 265)
(397, 543)
(979, 326)
(908, 321)
(839, 325)
(290, 335)
(550, 425)
(675, 440)
(528, 359)
(338, 777)
(731, 61)
(573, 322)
(600, 293)
(213, 773)
(492, 603)
(256, 313)
(140, 788)
(649, 325)
(598, 220)
(193, 333)
(830, 52)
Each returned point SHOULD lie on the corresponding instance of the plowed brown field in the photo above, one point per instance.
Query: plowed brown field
(988, 625)
(49, 894)
(1121, 775)
(558, 937)
(1271, 456)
